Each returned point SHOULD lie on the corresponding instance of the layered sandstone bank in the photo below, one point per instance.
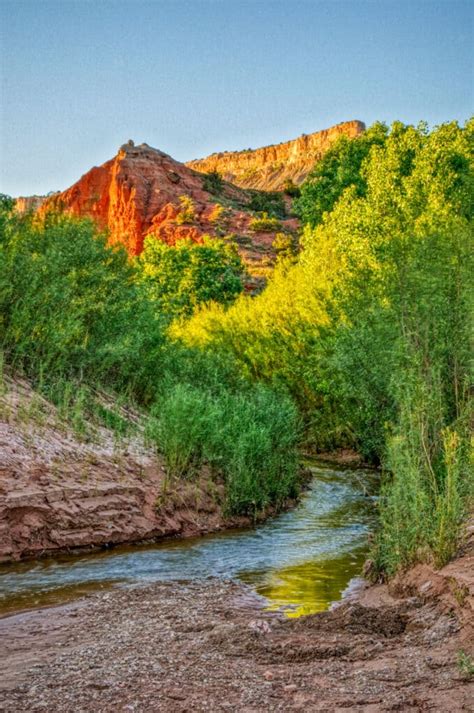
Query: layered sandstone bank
(59, 492)
(270, 167)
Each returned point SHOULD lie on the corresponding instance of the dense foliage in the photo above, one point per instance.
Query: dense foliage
(213, 182)
(178, 278)
(70, 306)
(369, 330)
(339, 168)
(77, 316)
(248, 437)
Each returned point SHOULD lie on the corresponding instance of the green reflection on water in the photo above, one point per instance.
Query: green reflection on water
(309, 587)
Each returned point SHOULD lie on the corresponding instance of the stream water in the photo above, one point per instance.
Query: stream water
(301, 561)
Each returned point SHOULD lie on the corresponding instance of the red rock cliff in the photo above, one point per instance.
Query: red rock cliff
(139, 192)
(127, 194)
(268, 168)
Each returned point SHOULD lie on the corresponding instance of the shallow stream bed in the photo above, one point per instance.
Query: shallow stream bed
(301, 561)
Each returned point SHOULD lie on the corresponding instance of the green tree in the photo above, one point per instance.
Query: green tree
(179, 278)
(340, 168)
(70, 306)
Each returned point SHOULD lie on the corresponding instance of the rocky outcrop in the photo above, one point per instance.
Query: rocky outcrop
(270, 167)
(126, 194)
(28, 204)
(139, 193)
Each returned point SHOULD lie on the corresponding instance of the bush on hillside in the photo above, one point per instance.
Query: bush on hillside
(249, 438)
(264, 224)
(213, 183)
(267, 202)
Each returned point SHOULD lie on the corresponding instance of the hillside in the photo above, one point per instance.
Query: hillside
(270, 167)
(140, 191)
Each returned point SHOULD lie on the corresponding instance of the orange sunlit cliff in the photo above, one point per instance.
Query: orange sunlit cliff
(270, 167)
(141, 190)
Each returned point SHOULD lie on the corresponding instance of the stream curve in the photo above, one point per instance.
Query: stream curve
(300, 561)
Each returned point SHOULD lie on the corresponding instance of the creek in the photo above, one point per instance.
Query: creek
(301, 561)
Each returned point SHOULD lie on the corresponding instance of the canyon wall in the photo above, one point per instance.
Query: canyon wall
(270, 167)
(139, 192)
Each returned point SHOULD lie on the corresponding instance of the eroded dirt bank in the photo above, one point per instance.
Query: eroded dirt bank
(60, 492)
(207, 646)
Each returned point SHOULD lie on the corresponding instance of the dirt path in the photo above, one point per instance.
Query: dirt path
(207, 646)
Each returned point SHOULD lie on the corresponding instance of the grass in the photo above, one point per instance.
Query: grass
(249, 439)
(465, 664)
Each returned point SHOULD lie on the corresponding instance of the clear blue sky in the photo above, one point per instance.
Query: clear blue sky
(79, 78)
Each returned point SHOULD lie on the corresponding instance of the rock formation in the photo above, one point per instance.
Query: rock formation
(28, 204)
(270, 167)
(126, 194)
(140, 191)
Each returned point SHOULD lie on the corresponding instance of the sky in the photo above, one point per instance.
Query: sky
(81, 77)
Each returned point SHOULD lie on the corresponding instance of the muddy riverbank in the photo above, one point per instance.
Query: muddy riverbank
(63, 493)
(210, 646)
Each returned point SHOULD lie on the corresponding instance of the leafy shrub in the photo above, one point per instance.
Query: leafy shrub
(270, 203)
(285, 245)
(217, 213)
(423, 503)
(219, 218)
(179, 428)
(248, 438)
(187, 212)
(178, 278)
(70, 307)
(213, 183)
(264, 224)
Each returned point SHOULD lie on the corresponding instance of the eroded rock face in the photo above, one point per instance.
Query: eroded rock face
(138, 193)
(131, 192)
(268, 168)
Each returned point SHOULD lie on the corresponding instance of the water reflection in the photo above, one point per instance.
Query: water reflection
(309, 587)
(301, 561)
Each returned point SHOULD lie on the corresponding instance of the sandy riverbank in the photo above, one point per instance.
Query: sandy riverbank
(209, 646)
(60, 493)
